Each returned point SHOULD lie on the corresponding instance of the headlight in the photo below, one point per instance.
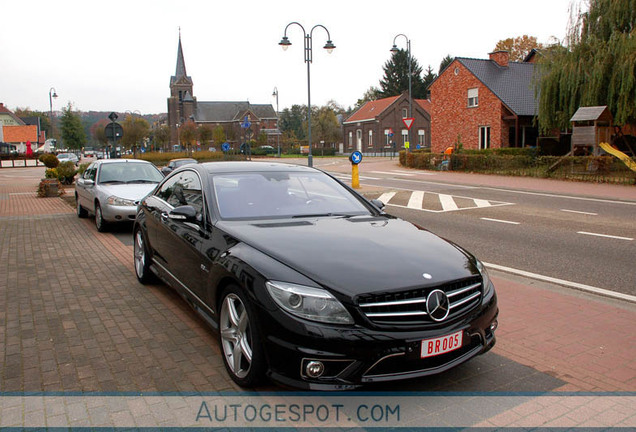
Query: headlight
(485, 276)
(116, 201)
(311, 303)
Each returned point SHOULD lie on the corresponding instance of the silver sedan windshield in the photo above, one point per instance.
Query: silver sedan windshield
(283, 194)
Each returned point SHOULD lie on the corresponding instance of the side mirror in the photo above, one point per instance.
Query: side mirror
(379, 204)
(185, 213)
(86, 182)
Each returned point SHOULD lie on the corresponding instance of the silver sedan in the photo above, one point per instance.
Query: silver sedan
(111, 189)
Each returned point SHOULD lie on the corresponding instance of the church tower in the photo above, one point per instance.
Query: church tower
(181, 103)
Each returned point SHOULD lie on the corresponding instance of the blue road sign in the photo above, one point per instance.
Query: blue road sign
(225, 146)
(246, 123)
(356, 157)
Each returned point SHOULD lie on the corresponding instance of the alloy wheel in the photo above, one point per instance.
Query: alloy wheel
(236, 336)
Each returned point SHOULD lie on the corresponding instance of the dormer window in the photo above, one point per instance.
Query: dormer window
(404, 113)
(473, 97)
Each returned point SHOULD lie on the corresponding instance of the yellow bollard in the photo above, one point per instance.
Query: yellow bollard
(355, 177)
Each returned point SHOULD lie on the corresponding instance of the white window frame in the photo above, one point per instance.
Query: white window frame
(473, 97)
(370, 138)
(350, 139)
(359, 139)
(421, 137)
(484, 137)
(387, 137)
(405, 137)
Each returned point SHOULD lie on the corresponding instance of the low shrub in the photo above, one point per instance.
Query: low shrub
(66, 172)
(49, 160)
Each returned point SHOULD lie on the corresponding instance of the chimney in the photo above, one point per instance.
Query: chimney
(500, 57)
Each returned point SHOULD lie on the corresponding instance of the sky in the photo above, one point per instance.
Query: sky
(119, 56)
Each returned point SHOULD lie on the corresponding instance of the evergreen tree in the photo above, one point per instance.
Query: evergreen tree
(293, 120)
(596, 66)
(396, 77)
(73, 135)
(444, 63)
(429, 77)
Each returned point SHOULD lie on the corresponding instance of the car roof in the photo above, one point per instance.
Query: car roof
(108, 161)
(238, 167)
(181, 159)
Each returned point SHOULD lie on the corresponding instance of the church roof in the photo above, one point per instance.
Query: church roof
(181, 69)
(231, 111)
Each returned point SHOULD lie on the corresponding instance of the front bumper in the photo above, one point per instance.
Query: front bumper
(113, 213)
(355, 356)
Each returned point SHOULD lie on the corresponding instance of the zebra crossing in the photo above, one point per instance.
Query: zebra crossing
(435, 202)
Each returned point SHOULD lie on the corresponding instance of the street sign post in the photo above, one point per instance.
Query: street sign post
(355, 158)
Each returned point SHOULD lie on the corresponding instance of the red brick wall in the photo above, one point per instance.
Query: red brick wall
(451, 116)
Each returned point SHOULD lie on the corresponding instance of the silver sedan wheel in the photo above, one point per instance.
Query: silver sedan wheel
(236, 335)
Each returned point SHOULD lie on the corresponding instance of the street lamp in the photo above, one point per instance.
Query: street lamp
(329, 46)
(52, 94)
(275, 93)
(394, 50)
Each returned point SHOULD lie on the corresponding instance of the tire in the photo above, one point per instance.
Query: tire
(100, 223)
(240, 342)
(81, 211)
(141, 258)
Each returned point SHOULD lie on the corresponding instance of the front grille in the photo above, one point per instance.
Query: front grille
(409, 307)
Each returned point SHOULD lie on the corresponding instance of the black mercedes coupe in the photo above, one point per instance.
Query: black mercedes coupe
(309, 283)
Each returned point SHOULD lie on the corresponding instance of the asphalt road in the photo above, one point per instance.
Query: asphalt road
(590, 241)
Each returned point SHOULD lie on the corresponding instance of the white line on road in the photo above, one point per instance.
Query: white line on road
(570, 284)
(448, 203)
(501, 221)
(605, 235)
(579, 212)
(481, 203)
(415, 202)
(633, 203)
(393, 173)
(386, 197)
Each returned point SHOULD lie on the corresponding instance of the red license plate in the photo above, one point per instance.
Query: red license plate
(441, 345)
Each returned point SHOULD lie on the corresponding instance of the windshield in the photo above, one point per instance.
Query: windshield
(283, 194)
(126, 172)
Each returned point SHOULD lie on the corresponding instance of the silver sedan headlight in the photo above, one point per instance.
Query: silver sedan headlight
(116, 201)
(314, 304)
(485, 277)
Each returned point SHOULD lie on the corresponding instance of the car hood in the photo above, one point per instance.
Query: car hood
(131, 191)
(360, 254)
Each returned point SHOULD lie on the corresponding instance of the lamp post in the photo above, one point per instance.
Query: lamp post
(394, 49)
(275, 93)
(52, 94)
(329, 46)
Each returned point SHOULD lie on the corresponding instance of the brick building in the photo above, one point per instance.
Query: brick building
(368, 129)
(183, 107)
(484, 103)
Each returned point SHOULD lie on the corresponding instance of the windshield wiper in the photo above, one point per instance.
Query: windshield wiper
(111, 181)
(141, 181)
(343, 215)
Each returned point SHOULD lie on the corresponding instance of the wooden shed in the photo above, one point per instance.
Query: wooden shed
(590, 127)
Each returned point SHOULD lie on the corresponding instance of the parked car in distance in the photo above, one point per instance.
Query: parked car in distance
(173, 164)
(268, 149)
(111, 189)
(307, 282)
(68, 157)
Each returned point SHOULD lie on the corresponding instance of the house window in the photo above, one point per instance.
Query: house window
(473, 97)
(421, 137)
(405, 137)
(359, 140)
(405, 113)
(350, 139)
(484, 137)
(370, 138)
(387, 138)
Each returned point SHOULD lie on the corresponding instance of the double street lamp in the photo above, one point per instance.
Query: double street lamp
(329, 46)
(52, 94)
(394, 50)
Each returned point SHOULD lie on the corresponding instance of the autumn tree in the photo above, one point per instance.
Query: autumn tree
(218, 135)
(136, 129)
(161, 135)
(518, 47)
(595, 66)
(72, 131)
(98, 131)
(205, 134)
(188, 135)
(396, 76)
(325, 126)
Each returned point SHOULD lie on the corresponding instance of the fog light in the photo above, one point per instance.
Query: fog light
(493, 326)
(314, 369)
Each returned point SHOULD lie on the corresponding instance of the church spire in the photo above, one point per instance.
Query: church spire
(181, 69)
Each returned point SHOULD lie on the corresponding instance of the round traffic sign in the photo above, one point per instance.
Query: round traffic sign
(225, 146)
(356, 157)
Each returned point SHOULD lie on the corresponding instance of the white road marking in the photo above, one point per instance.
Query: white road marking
(386, 197)
(481, 203)
(605, 235)
(415, 202)
(582, 287)
(500, 221)
(579, 212)
(633, 203)
(393, 173)
(448, 204)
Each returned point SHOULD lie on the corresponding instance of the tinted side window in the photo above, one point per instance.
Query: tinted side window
(184, 189)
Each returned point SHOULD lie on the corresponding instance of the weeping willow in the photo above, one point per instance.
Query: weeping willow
(596, 65)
